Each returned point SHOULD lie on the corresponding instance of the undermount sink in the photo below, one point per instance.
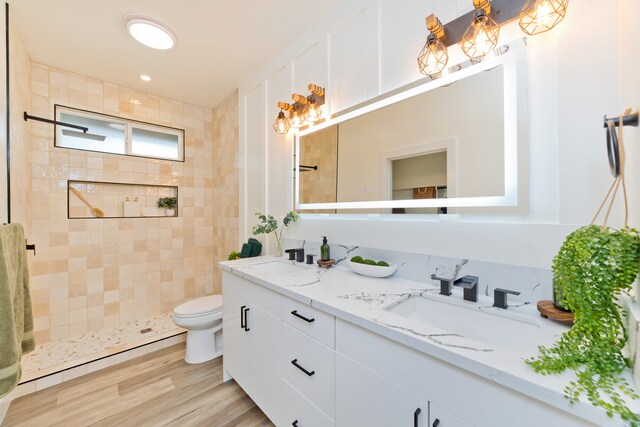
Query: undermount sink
(487, 325)
(279, 267)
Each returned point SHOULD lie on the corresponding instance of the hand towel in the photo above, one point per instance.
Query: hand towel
(16, 319)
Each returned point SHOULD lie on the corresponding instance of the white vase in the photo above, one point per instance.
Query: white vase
(170, 212)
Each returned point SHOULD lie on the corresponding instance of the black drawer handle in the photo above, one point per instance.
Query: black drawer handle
(306, 319)
(294, 362)
(295, 423)
(242, 320)
(415, 417)
(246, 323)
(436, 423)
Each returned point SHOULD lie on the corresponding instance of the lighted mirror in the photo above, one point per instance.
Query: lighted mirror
(440, 147)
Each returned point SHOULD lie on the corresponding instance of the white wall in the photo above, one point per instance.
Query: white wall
(369, 47)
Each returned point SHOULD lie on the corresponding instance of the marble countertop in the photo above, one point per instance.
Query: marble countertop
(362, 301)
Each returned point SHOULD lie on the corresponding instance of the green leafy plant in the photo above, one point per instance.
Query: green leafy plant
(167, 202)
(233, 255)
(594, 266)
(268, 224)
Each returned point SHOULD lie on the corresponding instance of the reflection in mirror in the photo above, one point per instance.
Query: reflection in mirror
(447, 142)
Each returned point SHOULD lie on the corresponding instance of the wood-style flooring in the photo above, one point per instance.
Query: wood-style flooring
(158, 389)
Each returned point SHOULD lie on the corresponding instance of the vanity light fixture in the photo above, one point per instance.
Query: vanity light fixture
(305, 110)
(434, 56)
(481, 37)
(150, 31)
(479, 40)
(539, 16)
(296, 120)
(281, 125)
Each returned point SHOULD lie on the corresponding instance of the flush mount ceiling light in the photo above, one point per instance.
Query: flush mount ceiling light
(150, 31)
(145, 77)
(539, 16)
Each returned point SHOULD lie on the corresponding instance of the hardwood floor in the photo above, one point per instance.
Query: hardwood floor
(158, 389)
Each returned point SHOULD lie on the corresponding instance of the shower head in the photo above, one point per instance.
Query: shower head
(83, 135)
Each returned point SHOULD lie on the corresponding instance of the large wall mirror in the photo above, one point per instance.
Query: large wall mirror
(453, 145)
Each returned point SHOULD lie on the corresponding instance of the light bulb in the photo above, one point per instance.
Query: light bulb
(314, 113)
(481, 37)
(433, 58)
(296, 120)
(538, 16)
(281, 125)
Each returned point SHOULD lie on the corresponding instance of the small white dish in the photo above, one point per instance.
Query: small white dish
(372, 270)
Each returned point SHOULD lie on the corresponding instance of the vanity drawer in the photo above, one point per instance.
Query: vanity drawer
(309, 320)
(299, 411)
(309, 366)
(440, 418)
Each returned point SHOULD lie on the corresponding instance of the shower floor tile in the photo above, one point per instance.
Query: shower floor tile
(57, 356)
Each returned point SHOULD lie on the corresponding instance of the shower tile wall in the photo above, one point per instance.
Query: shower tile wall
(91, 274)
(225, 183)
(20, 90)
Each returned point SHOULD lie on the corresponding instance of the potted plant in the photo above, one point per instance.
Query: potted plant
(595, 265)
(169, 204)
(268, 224)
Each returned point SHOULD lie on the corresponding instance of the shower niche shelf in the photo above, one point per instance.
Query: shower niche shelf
(117, 200)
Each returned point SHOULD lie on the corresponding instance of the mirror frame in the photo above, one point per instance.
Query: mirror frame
(515, 132)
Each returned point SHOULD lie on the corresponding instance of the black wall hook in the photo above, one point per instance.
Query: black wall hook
(613, 147)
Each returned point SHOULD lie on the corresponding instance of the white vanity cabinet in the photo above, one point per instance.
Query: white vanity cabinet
(253, 341)
(308, 364)
(364, 398)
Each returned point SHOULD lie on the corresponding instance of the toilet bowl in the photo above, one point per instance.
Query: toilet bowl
(202, 318)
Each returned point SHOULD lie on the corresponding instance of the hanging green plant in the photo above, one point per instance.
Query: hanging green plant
(594, 267)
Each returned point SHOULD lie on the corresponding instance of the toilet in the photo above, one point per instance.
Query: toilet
(202, 318)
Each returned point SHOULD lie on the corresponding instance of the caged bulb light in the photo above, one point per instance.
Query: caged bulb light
(315, 112)
(281, 125)
(433, 58)
(539, 16)
(296, 120)
(481, 37)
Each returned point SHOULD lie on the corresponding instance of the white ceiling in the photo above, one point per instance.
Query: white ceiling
(220, 43)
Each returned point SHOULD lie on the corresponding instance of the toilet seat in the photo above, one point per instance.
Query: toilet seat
(199, 307)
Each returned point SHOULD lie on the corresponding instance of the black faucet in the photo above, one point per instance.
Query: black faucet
(296, 254)
(470, 286)
(500, 297)
(445, 285)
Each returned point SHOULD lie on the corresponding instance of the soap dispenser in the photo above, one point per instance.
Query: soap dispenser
(324, 250)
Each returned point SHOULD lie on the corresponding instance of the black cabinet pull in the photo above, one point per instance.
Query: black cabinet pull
(295, 423)
(246, 324)
(242, 325)
(306, 319)
(294, 362)
(415, 417)
(436, 423)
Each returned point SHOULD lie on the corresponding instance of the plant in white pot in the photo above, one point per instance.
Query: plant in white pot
(169, 205)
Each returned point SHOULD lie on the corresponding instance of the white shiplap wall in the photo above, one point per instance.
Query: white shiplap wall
(369, 47)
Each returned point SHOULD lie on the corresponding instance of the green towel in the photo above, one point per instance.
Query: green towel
(256, 247)
(16, 332)
(245, 252)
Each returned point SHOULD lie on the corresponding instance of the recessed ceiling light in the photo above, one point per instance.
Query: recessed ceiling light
(145, 77)
(150, 31)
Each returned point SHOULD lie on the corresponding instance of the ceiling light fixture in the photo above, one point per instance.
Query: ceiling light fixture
(539, 16)
(145, 77)
(150, 31)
